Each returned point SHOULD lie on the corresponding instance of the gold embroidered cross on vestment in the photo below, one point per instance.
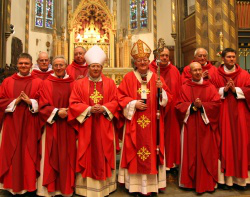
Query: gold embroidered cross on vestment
(143, 153)
(147, 91)
(96, 96)
(143, 121)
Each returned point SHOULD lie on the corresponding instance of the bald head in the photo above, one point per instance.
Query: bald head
(196, 71)
(200, 55)
(43, 61)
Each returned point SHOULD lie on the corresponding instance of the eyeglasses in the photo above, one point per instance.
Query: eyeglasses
(44, 60)
(141, 60)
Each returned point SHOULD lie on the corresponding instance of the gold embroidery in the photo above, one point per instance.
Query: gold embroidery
(96, 96)
(143, 121)
(147, 91)
(143, 153)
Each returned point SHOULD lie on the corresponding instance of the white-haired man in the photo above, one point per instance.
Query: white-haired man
(43, 68)
(208, 70)
(58, 156)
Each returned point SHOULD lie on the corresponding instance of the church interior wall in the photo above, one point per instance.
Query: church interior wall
(18, 12)
(164, 21)
(149, 36)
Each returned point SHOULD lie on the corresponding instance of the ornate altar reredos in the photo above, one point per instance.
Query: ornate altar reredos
(93, 24)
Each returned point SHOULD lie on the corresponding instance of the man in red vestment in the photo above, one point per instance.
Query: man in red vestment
(198, 110)
(200, 55)
(78, 68)
(172, 78)
(142, 167)
(234, 87)
(58, 155)
(43, 68)
(19, 160)
(93, 106)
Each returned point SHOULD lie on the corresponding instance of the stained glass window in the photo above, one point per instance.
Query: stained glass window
(49, 14)
(143, 13)
(138, 14)
(133, 14)
(39, 13)
(44, 13)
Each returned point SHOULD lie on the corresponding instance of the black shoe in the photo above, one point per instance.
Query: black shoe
(238, 187)
(223, 186)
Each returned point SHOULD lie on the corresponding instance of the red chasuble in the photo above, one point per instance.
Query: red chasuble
(74, 70)
(172, 78)
(60, 148)
(139, 147)
(200, 151)
(95, 153)
(40, 74)
(186, 72)
(235, 124)
(19, 160)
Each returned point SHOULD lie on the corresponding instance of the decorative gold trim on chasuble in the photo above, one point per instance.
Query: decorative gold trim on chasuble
(143, 153)
(143, 121)
(96, 96)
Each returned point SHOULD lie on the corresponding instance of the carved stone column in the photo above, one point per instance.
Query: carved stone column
(5, 8)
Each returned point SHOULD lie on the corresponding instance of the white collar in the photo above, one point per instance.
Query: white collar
(232, 70)
(99, 79)
(198, 82)
(19, 74)
(65, 76)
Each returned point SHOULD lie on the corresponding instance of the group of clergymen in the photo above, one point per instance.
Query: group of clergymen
(61, 125)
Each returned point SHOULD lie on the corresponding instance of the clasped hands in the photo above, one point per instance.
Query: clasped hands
(97, 109)
(230, 85)
(197, 103)
(23, 97)
(63, 112)
(205, 74)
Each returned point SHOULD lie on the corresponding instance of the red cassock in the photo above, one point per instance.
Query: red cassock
(172, 78)
(40, 74)
(95, 153)
(186, 71)
(19, 158)
(74, 70)
(200, 151)
(235, 124)
(140, 138)
(60, 148)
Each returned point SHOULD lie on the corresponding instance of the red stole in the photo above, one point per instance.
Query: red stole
(89, 152)
(186, 71)
(200, 156)
(139, 138)
(40, 74)
(74, 70)
(19, 159)
(60, 150)
(234, 124)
